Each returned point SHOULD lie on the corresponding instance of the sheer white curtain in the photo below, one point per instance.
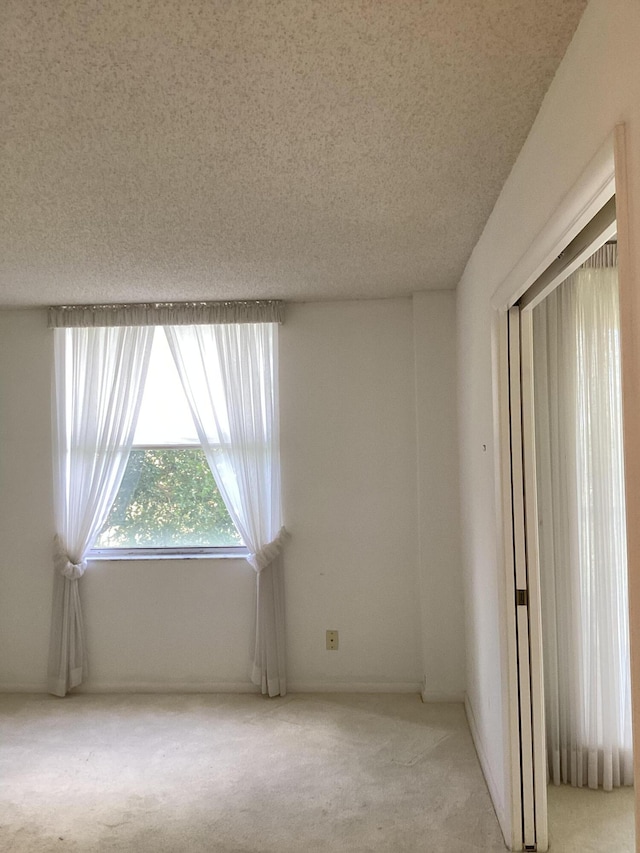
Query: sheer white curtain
(230, 376)
(582, 531)
(99, 377)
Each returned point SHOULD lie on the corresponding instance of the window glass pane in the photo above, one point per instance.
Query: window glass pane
(168, 498)
(165, 417)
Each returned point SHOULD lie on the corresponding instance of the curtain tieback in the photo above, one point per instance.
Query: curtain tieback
(63, 564)
(267, 554)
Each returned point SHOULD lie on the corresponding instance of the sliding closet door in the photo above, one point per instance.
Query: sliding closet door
(526, 580)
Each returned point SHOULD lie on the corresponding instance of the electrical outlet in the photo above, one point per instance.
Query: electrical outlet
(332, 640)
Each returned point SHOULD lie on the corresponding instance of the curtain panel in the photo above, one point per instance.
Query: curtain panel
(99, 378)
(229, 374)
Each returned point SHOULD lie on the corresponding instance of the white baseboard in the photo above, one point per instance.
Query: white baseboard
(354, 687)
(167, 687)
(141, 687)
(498, 807)
(246, 687)
(439, 697)
(22, 687)
(228, 687)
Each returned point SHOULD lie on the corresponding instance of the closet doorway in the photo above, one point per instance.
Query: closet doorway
(594, 212)
(576, 544)
(584, 223)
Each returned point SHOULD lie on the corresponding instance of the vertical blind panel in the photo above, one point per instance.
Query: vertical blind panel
(583, 563)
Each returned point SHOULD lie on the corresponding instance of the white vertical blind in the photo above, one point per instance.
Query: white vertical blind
(582, 530)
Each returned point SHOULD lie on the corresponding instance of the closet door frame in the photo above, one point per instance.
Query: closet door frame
(602, 185)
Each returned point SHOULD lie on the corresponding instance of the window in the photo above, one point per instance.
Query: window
(225, 354)
(168, 502)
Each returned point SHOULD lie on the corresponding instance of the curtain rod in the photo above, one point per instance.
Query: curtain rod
(167, 313)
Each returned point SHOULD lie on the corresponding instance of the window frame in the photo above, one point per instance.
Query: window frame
(182, 552)
(226, 552)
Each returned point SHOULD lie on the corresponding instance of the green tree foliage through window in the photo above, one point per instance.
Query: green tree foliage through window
(168, 498)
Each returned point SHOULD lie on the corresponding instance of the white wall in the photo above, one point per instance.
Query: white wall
(439, 564)
(25, 497)
(349, 479)
(596, 86)
(348, 456)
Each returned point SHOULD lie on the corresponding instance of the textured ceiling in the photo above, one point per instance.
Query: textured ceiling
(231, 149)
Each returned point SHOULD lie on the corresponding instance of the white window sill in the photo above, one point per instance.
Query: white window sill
(130, 554)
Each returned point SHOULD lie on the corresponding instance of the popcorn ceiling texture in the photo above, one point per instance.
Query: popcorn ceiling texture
(296, 149)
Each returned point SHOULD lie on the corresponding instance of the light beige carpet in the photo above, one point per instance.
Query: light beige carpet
(584, 821)
(238, 774)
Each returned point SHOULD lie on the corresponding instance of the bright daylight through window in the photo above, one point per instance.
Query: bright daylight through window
(168, 498)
